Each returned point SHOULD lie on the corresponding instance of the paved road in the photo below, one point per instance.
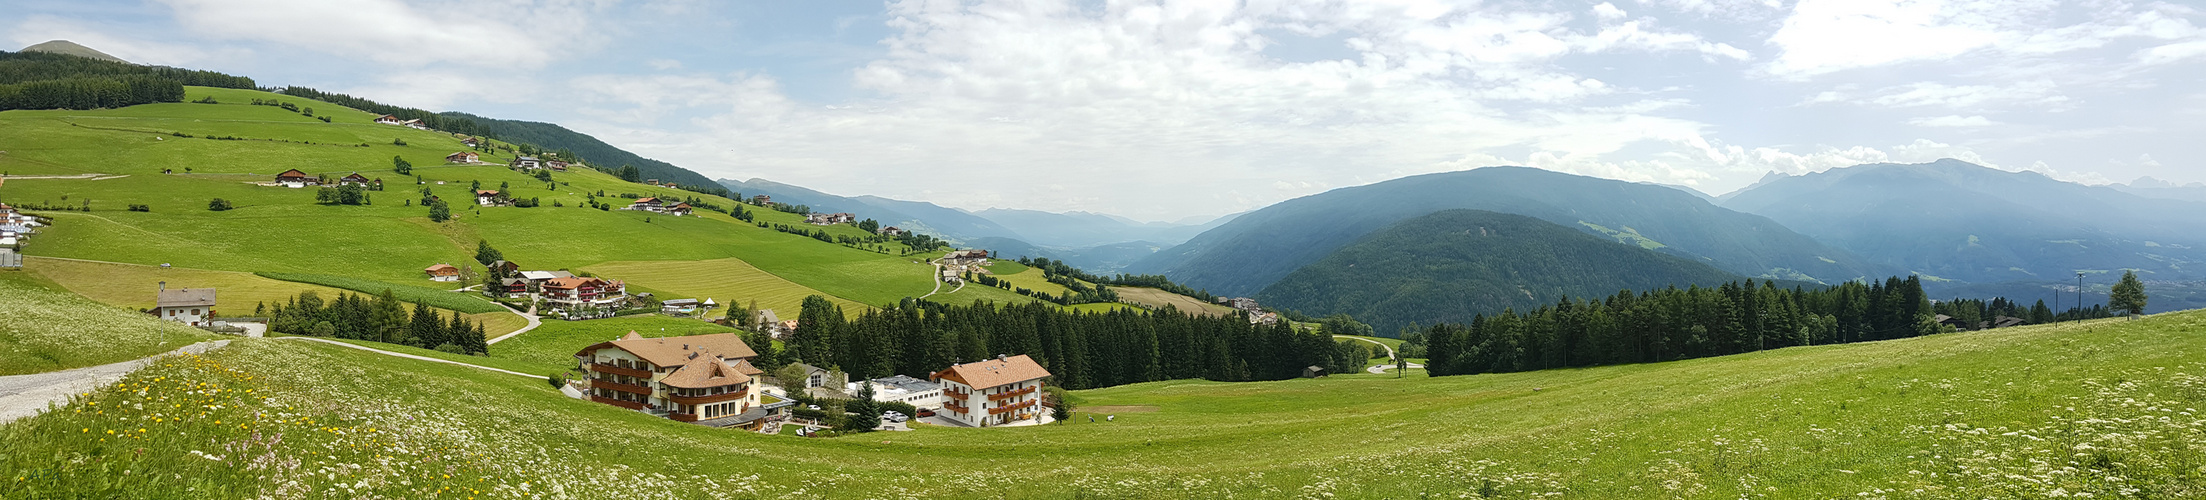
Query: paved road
(531, 316)
(27, 395)
(407, 356)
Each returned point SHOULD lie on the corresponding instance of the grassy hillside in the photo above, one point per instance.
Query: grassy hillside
(43, 328)
(278, 230)
(2105, 408)
(1452, 265)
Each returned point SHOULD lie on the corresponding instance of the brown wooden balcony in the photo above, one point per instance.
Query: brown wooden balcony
(632, 405)
(706, 400)
(1012, 394)
(632, 372)
(955, 406)
(617, 386)
(682, 417)
(1012, 408)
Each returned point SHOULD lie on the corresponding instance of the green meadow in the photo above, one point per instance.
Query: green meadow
(2104, 408)
(147, 158)
(45, 328)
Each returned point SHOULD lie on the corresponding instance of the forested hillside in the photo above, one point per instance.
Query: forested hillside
(599, 154)
(1452, 265)
(1243, 256)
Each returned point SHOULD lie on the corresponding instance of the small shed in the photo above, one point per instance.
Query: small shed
(1313, 371)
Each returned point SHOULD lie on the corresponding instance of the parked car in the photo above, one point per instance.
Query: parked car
(924, 412)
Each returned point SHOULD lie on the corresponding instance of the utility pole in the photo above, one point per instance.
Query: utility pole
(2079, 294)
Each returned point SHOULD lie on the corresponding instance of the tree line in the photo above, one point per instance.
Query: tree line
(1083, 350)
(1694, 322)
(39, 80)
(428, 118)
(382, 318)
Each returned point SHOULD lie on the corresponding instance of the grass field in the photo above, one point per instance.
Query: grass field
(1152, 297)
(135, 286)
(43, 329)
(2105, 408)
(728, 281)
(279, 230)
(433, 297)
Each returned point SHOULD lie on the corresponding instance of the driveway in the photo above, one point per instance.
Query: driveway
(531, 316)
(27, 395)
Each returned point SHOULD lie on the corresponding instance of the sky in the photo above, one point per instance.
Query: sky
(1163, 110)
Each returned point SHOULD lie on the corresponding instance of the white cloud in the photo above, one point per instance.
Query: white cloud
(1827, 36)
(1608, 11)
(664, 64)
(1118, 98)
(2172, 53)
(1955, 121)
(1824, 36)
(397, 33)
(40, 28)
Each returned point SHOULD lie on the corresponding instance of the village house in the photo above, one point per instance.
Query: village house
(526, 163)
(462, 157)
(1242, 303)
(762, 200)
(682, 306)
(892, 231)
(903, 389)
(647, 204)
(415, 124)
(539, 277)
(572, 292)
(442, 272)
(472, 142)
(556, 165)
(705, 379)
(293, 178)
(503, 267)
(387, 120)
(994, 392)
(490, 198)
(514, 287)
(191, 306)
(355, 179)
(831, 219)
(679, 209)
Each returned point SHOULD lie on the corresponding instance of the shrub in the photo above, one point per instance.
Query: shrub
(556, 380)
(398, 142)
(451, 348)
(134, 207)
(218, 205)
(808, 413)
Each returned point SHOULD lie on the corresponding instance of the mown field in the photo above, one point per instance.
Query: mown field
(169, 157)
(1152, 297)
(2104, 408)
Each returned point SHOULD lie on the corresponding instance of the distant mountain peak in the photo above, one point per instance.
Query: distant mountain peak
(2149, 182)
(66, 47)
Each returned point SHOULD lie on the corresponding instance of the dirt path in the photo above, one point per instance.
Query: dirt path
(1379, 369)
(407, 356)
(937, 279)
(28, 395)
(531, 316)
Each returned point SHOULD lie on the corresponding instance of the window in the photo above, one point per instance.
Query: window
(195, 311)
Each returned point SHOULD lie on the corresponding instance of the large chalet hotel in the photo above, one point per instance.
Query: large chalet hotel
(706, 379)
(994, 392)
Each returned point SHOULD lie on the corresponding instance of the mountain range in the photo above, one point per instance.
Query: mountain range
(1243, 256)
(1452, 265)
(1952, 220)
